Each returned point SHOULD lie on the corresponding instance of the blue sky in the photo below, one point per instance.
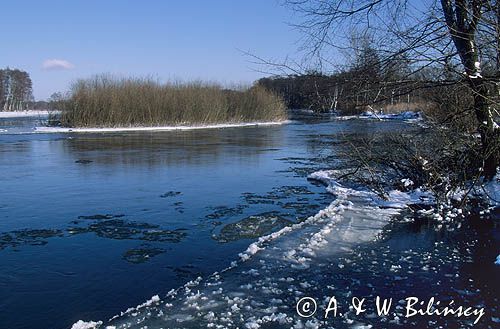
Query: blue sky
(189, 39)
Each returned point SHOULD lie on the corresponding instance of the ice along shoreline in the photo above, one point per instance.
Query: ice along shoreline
(208, 296)
(25, 114)
(154, 128)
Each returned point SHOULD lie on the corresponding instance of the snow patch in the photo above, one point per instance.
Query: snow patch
(159, 128)
(406, 116)
(407, 182)
(492, 190)
(23, 114)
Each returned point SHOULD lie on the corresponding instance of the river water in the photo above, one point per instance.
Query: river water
(93, 224)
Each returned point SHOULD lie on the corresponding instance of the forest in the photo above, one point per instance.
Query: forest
(16, 90)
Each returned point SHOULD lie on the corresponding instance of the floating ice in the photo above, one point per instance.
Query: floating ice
(87, 325)
(261, 288)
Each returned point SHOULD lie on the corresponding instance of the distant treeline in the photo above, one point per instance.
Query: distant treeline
(350, 92)
(354, 92)
(366, 80)
(370, 83)
(343, 93)
(15, 90)
(105, 101)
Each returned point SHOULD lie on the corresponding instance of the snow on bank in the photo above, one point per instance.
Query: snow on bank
(396, 199)
(159, 128)
(404, 116)
(23, 114)
(492, 190)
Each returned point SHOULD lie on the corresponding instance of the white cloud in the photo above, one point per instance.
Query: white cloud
(57, 64)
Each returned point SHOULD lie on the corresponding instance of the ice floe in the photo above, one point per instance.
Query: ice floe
(86, 325)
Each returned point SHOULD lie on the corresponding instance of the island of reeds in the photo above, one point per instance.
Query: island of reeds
(104, 101)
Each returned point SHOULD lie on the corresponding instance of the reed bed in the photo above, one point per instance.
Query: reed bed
(104, 101)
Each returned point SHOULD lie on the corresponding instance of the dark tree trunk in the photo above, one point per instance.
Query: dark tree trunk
(486, 128)
(462, 23)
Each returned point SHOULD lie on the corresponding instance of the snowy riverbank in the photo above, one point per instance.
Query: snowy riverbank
(406, 116)
(159, 128)
(22, 114)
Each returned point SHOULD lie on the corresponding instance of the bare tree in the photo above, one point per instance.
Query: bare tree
(458, 35)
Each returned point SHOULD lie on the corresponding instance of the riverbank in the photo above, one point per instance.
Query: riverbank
(409, 116)
(159, 128)
(26, 114)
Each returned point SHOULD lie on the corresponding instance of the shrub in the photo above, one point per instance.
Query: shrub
(441, 161)
(105, 101)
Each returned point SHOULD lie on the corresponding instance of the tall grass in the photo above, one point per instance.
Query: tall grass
(105, 101)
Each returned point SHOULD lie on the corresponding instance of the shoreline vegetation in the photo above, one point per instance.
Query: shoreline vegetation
(109, 102)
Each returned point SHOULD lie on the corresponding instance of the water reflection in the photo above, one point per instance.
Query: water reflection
(173, 148)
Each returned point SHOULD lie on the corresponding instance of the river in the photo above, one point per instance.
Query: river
(92, 224)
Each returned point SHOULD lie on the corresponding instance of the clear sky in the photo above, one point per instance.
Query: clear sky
(57, 42)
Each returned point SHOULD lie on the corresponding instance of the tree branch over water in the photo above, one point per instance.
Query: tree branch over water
(430, 44)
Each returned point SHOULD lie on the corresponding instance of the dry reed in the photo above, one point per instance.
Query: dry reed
(105, 101)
